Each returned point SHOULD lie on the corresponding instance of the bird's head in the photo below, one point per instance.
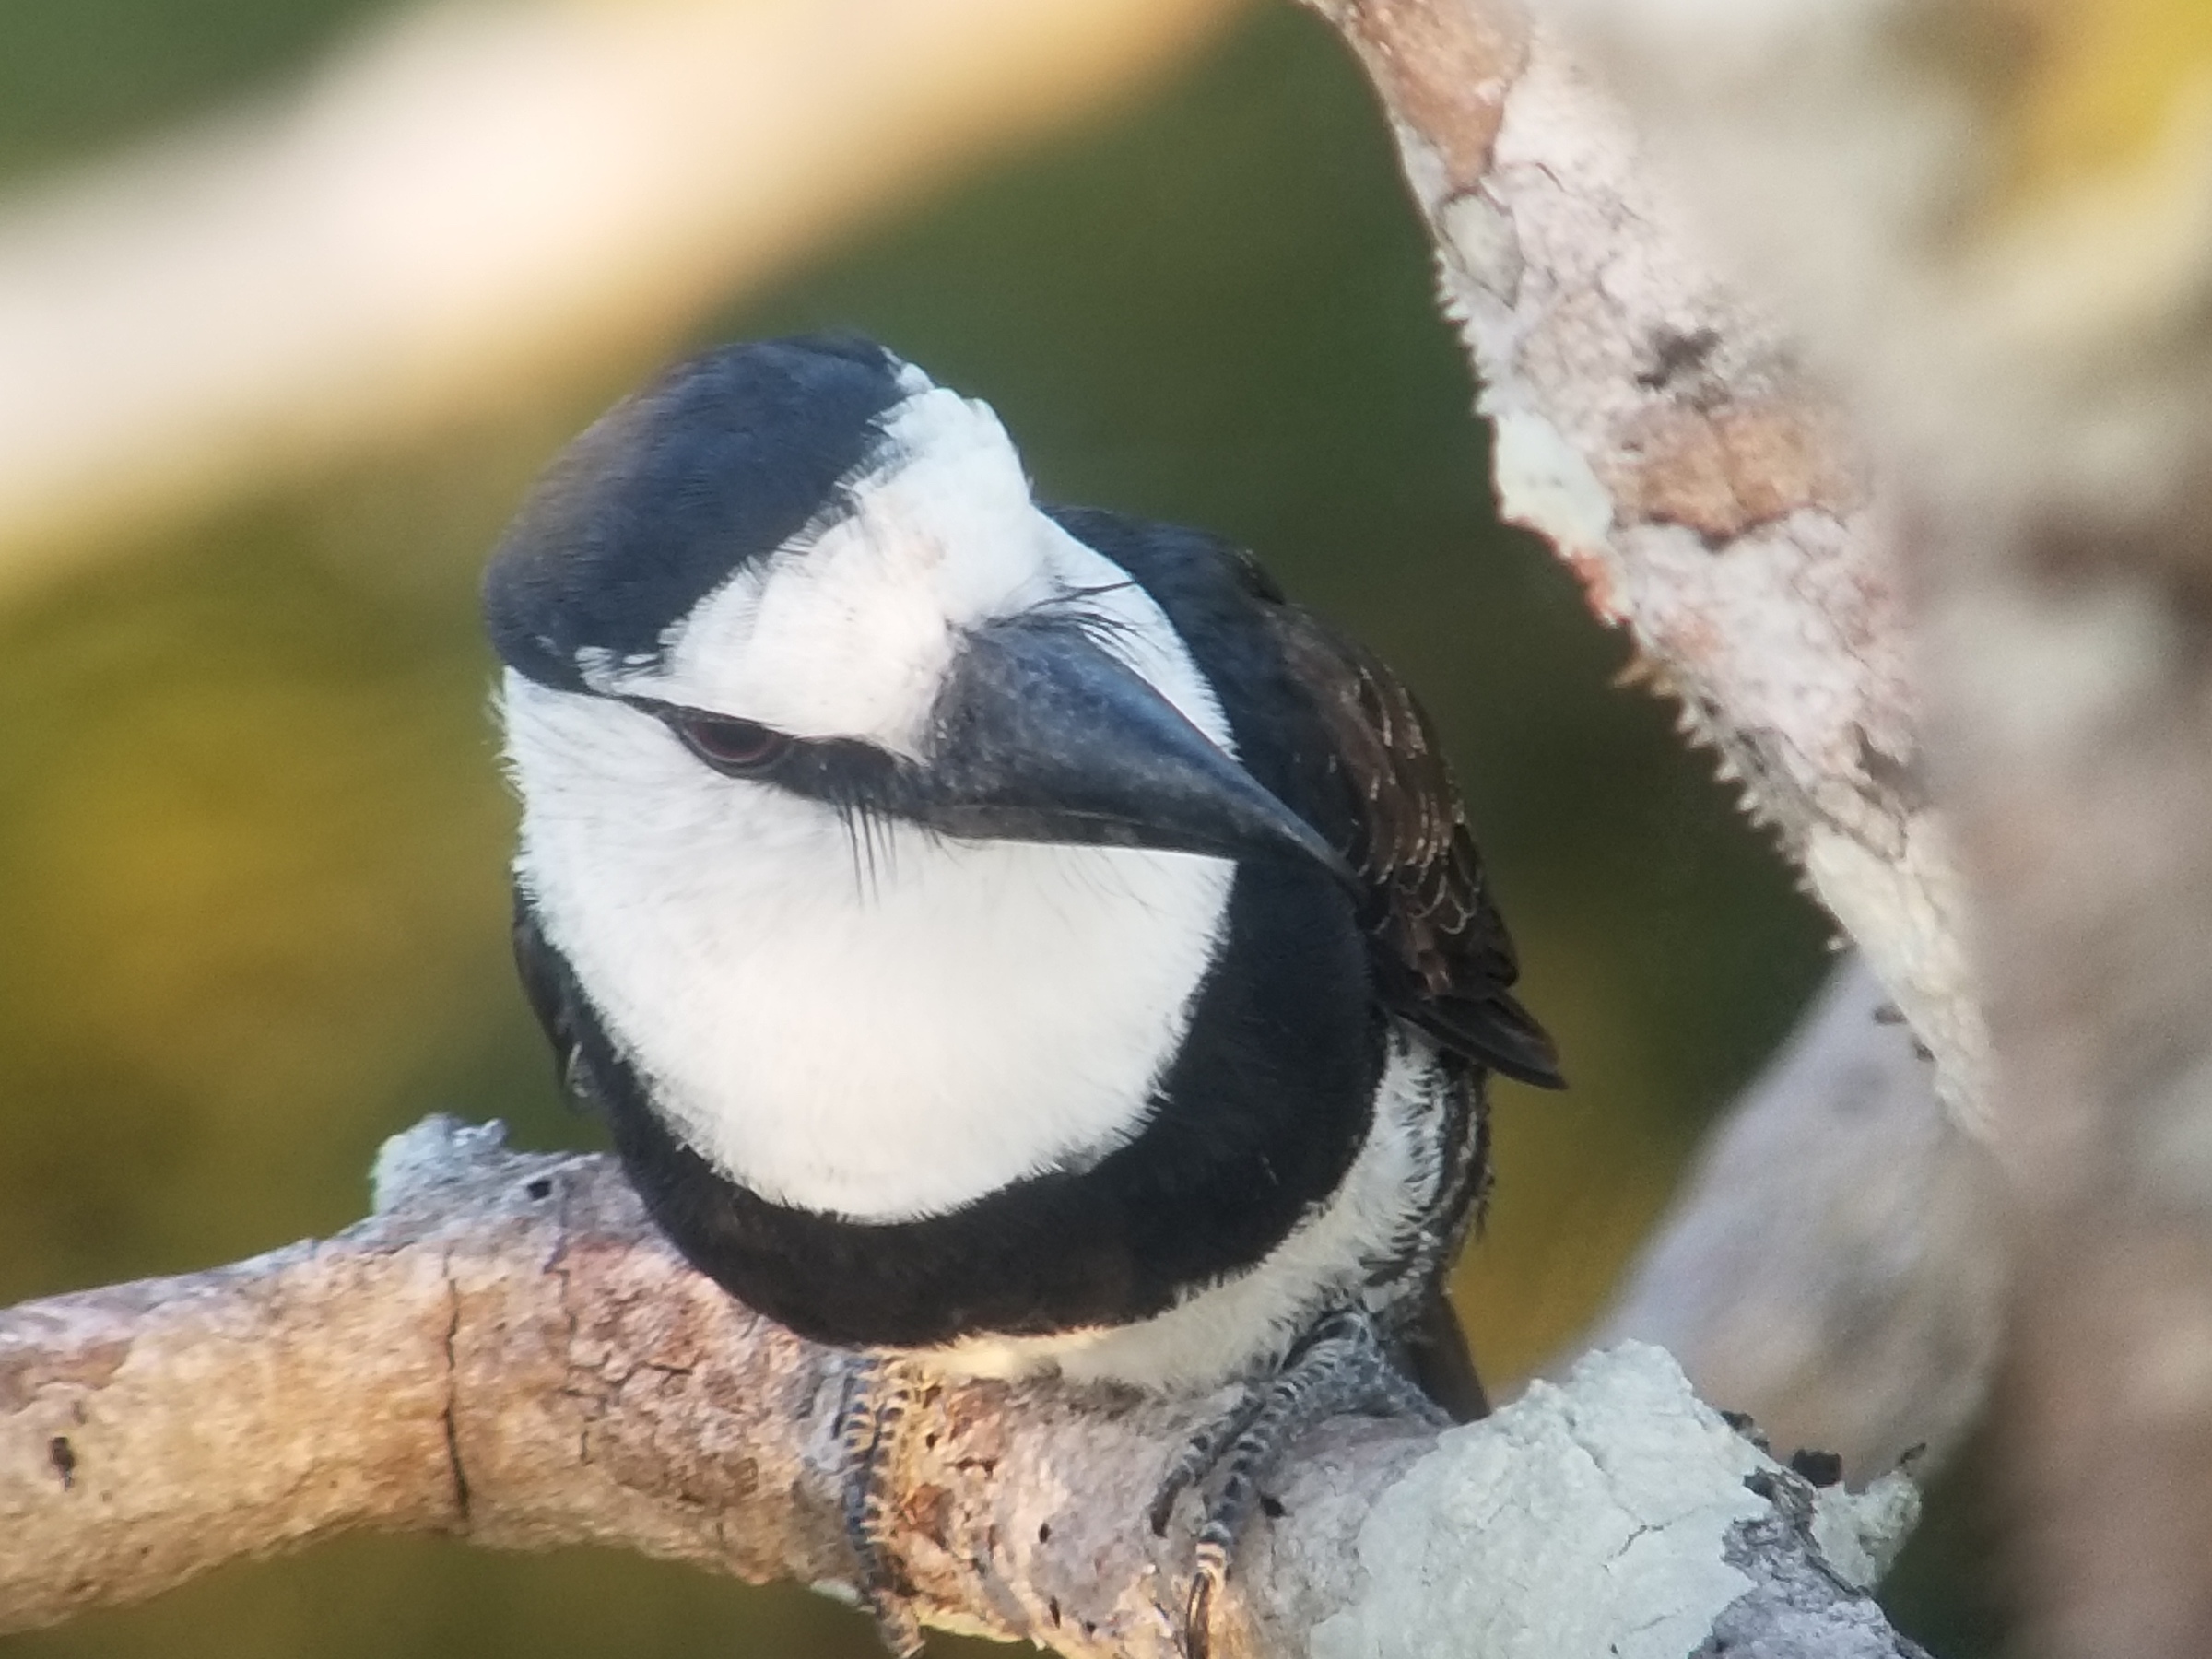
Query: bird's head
(796, 571)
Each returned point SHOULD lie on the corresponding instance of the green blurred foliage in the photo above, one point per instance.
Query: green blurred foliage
(251, 830)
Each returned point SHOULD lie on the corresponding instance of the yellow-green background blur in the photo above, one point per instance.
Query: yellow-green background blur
(253, 833)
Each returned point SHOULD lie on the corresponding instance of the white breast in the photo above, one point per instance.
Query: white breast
(881, 1031)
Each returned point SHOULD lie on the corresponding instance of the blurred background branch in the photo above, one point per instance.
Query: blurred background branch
(477, 202)
(1834, 1262)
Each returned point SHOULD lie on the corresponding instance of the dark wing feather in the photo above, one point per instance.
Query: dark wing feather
(1433, 1349)
(1441, 958)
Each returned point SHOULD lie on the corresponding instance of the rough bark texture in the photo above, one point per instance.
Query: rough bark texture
(1994, 220)
(1658, 428)
(507, 1351)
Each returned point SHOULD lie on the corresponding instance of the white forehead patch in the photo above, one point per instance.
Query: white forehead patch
(849, 632)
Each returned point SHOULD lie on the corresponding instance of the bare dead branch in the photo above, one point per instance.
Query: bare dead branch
(507, 1351)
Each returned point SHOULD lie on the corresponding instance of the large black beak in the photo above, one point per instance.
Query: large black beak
(1041, 734)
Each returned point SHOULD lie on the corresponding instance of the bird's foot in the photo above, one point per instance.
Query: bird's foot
(879, 1392)
(1339, 1366)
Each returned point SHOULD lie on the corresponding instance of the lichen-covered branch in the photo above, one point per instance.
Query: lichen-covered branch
(1993, 222)
(1658, 428)
(508, 1352)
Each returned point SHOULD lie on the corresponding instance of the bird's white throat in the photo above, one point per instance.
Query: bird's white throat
(889, 1025)
(881, 1030)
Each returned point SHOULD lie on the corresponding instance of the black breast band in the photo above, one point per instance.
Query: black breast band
(1253, 1127)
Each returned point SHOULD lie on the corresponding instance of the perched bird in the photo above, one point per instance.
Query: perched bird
(1008, 936)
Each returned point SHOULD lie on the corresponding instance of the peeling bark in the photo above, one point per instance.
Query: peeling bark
(1662, 431)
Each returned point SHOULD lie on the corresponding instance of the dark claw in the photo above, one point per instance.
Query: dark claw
(1211, 1570)
(1341, 1366)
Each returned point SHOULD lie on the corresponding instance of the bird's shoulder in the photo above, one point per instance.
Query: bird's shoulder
(1326, 724)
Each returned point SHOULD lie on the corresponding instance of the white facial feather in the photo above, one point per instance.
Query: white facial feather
(882, 1030)
(849, 632)
(878, 1033)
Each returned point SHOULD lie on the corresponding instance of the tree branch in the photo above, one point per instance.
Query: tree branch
(2021, 297)
(1658, 428)
(506, 1350)
(1992, 222)
(1835, 1264)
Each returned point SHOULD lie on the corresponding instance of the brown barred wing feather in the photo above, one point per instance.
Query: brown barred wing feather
(1441, 958)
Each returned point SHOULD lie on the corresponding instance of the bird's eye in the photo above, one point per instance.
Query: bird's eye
(730, 745)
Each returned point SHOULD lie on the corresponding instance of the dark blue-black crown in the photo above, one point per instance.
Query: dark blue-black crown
(721, 461)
